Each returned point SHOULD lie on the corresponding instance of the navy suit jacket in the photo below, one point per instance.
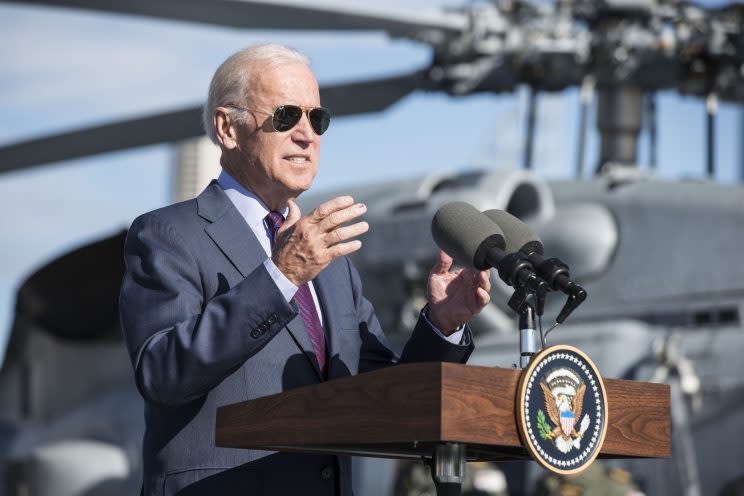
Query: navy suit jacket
(206, 326)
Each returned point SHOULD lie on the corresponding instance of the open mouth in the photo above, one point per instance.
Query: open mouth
(298, 159)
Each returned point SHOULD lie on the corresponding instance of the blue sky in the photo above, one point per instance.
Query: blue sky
(61, 69)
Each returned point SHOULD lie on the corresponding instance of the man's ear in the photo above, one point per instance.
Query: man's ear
(225, 128)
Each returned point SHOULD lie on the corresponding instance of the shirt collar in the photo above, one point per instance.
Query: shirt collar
(250, 206)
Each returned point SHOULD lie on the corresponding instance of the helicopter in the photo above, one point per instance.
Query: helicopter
(657, 257)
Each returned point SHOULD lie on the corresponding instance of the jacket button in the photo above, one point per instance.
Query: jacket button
(255, 333)
(326, 473)
(262, 328)
(272, 319)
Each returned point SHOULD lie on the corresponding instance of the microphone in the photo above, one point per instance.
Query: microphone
(473, 240)
(467, 235)
(520, 238)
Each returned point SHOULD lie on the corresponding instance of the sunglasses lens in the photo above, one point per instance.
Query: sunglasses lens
(286, 117)
(320, 119)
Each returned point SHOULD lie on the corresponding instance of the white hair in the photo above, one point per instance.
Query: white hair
(233, 80)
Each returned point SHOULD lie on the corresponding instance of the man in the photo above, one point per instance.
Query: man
(224, 301)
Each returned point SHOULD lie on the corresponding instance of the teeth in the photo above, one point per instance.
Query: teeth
(297, 160)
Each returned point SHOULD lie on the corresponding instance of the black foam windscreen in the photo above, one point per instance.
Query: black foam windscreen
(518, 235)
(465, 233)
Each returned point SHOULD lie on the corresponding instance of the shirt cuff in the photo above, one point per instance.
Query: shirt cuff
(285, 286)
(454, 338)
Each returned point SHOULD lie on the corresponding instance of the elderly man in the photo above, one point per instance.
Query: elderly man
(224, 300)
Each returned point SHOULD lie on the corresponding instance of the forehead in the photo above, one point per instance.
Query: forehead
(288, 83)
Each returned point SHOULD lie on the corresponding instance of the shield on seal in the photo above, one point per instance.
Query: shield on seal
(567, 422)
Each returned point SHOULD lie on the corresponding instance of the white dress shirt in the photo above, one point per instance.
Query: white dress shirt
(254, 211)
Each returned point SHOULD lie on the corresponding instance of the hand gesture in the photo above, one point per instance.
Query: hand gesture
(306, 245)
(455, 296)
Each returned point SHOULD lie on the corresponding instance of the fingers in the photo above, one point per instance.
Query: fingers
(308, 244)
(329, 219)
(333, 213)
(443, 263)
(482, 285)
(484, 281)
(327, 208)
(346, 232)
(341, 216)
(482, 297)
(342, 249)
(479, 278)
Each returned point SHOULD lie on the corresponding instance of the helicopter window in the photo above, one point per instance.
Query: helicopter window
(414, 206)
(717, 316)
(524, 202)
(463, 180)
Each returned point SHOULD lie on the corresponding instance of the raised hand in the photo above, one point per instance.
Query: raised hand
(455, 296)
(306, 245)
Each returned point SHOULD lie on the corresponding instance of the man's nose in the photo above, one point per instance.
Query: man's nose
(303, 130)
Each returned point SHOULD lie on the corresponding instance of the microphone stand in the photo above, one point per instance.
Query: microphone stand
(523, 302)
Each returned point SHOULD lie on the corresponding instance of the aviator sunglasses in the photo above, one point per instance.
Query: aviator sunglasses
(285, 117)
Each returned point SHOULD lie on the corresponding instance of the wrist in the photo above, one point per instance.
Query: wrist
(445, 326)
(286, 271)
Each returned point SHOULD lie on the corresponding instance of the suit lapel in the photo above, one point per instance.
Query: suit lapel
(239, 244)
(229, 231)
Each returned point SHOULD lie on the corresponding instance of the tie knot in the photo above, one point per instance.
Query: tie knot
(274, 221)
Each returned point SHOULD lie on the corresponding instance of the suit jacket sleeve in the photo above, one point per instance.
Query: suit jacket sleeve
(182, 346)
(424, 345)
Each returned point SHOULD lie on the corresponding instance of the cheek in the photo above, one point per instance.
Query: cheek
(270, 156)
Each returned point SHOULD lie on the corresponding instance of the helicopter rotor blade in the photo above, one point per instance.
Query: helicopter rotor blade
(371, 96)
(343, 99)
(168, 126)
(278, 14)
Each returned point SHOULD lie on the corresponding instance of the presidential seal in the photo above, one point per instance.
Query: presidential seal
(562, 409)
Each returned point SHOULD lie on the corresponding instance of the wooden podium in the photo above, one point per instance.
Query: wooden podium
(444, 411)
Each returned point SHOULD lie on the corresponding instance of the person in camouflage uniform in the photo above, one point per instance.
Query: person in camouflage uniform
(597, 480)
(486, 479)
(481, 479)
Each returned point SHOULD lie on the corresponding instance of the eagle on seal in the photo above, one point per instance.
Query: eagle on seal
(564, 396)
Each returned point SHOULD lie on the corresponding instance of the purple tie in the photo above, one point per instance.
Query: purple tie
(304, 300)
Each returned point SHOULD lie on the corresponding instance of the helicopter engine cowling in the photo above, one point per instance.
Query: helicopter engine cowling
(398, 251)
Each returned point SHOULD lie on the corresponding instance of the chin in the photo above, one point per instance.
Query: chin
(299, 186)
(295, 190)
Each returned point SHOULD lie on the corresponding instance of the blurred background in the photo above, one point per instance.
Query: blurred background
(613, 128)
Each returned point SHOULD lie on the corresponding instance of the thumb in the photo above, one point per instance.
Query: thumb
(443, 264)
(293, 215)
